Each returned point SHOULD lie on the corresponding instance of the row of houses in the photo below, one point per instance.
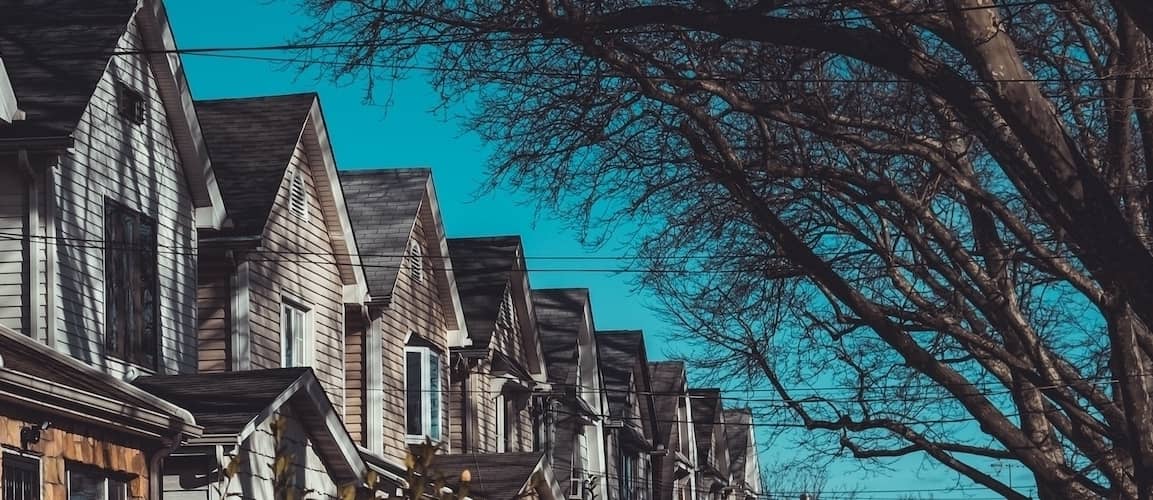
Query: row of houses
(197, 304)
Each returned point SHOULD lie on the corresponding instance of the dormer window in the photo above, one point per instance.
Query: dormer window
(130, 103)
(298, 195)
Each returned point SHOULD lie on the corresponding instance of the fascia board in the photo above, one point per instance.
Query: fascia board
(87, 407)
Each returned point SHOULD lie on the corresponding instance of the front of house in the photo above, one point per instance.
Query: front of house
(103, 184)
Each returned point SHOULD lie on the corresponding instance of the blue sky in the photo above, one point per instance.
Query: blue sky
(401, 130)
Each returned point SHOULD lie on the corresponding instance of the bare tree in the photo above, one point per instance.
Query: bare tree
(923, 224)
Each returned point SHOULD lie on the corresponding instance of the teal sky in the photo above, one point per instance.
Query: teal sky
(400, 130)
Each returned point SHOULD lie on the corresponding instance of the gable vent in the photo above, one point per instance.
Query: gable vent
(415, 262)
(298, 197)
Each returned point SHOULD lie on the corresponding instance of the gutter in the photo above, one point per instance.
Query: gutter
(47, 143)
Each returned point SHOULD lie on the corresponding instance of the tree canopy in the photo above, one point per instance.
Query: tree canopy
(940, 207)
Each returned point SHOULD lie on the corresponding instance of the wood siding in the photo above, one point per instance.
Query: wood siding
(135, 165)
(213, 304)
(297, 262)
(354, 365)
(414, 308)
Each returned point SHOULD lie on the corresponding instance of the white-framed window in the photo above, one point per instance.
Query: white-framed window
(86, 483)
(20, 477)
(298, 195)
(580, 465)
(295, 333)
(423, 397)
(414, 261)
(501, 424)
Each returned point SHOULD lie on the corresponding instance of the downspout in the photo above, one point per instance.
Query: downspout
(155, 477)
(465, 423)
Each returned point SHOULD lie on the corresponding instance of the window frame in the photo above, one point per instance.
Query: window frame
(429, 358)
(28, 462)
(306, 340)
(131, 103)
(129, 345)
(104, 477)
(414, 260)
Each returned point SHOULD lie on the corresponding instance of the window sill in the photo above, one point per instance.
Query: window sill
(120, 368)
(417, 439)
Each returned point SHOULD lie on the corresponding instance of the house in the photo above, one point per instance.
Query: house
(68, 430)
(491, 392)
(744, 457)
(675, 469)
(398, 343)
(574, 423)
(103, 183)
(712, 443)
(632, 417)
(494, 416)
(274, 280)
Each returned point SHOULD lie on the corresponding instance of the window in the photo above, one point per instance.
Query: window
(415, 262)
(130, 103)
(298, 196)
(130, 285)
(91, 484)
(20, 477)
(507, 437)
(294, 332)
(627, 479)
(422, 373)
(580, 465)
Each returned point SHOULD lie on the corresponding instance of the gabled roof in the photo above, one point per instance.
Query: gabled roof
(251, 141)
(561, 315)
(668, 384)
(233, 404)
(709, 421)
(383, 205)
(54, 51)
(484, 268)
(618, 353)
(495, 476)
(34, 375)
(743, 461)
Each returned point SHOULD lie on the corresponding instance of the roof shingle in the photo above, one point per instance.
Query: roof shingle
(251, 141)
(618, 353)
(383, 205)
(495, 476)
(483, 269)
(52, 50)
(560, 314)
(223, 403)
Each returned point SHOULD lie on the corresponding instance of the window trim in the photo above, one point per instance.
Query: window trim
(307, 341)
(414, 259)
(105, 476)
(427, 355)
(29, 459)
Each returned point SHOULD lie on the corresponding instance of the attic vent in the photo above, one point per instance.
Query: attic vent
(298, 198)
(130, 103)
(415, 262)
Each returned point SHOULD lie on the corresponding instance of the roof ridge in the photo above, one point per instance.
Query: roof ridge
(383, 170)
(256, 97)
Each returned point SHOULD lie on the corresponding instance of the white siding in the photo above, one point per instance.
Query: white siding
(137, 166)
(13, 248)
(305, 477)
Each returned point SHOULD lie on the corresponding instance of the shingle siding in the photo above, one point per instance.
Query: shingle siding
(137, 166)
